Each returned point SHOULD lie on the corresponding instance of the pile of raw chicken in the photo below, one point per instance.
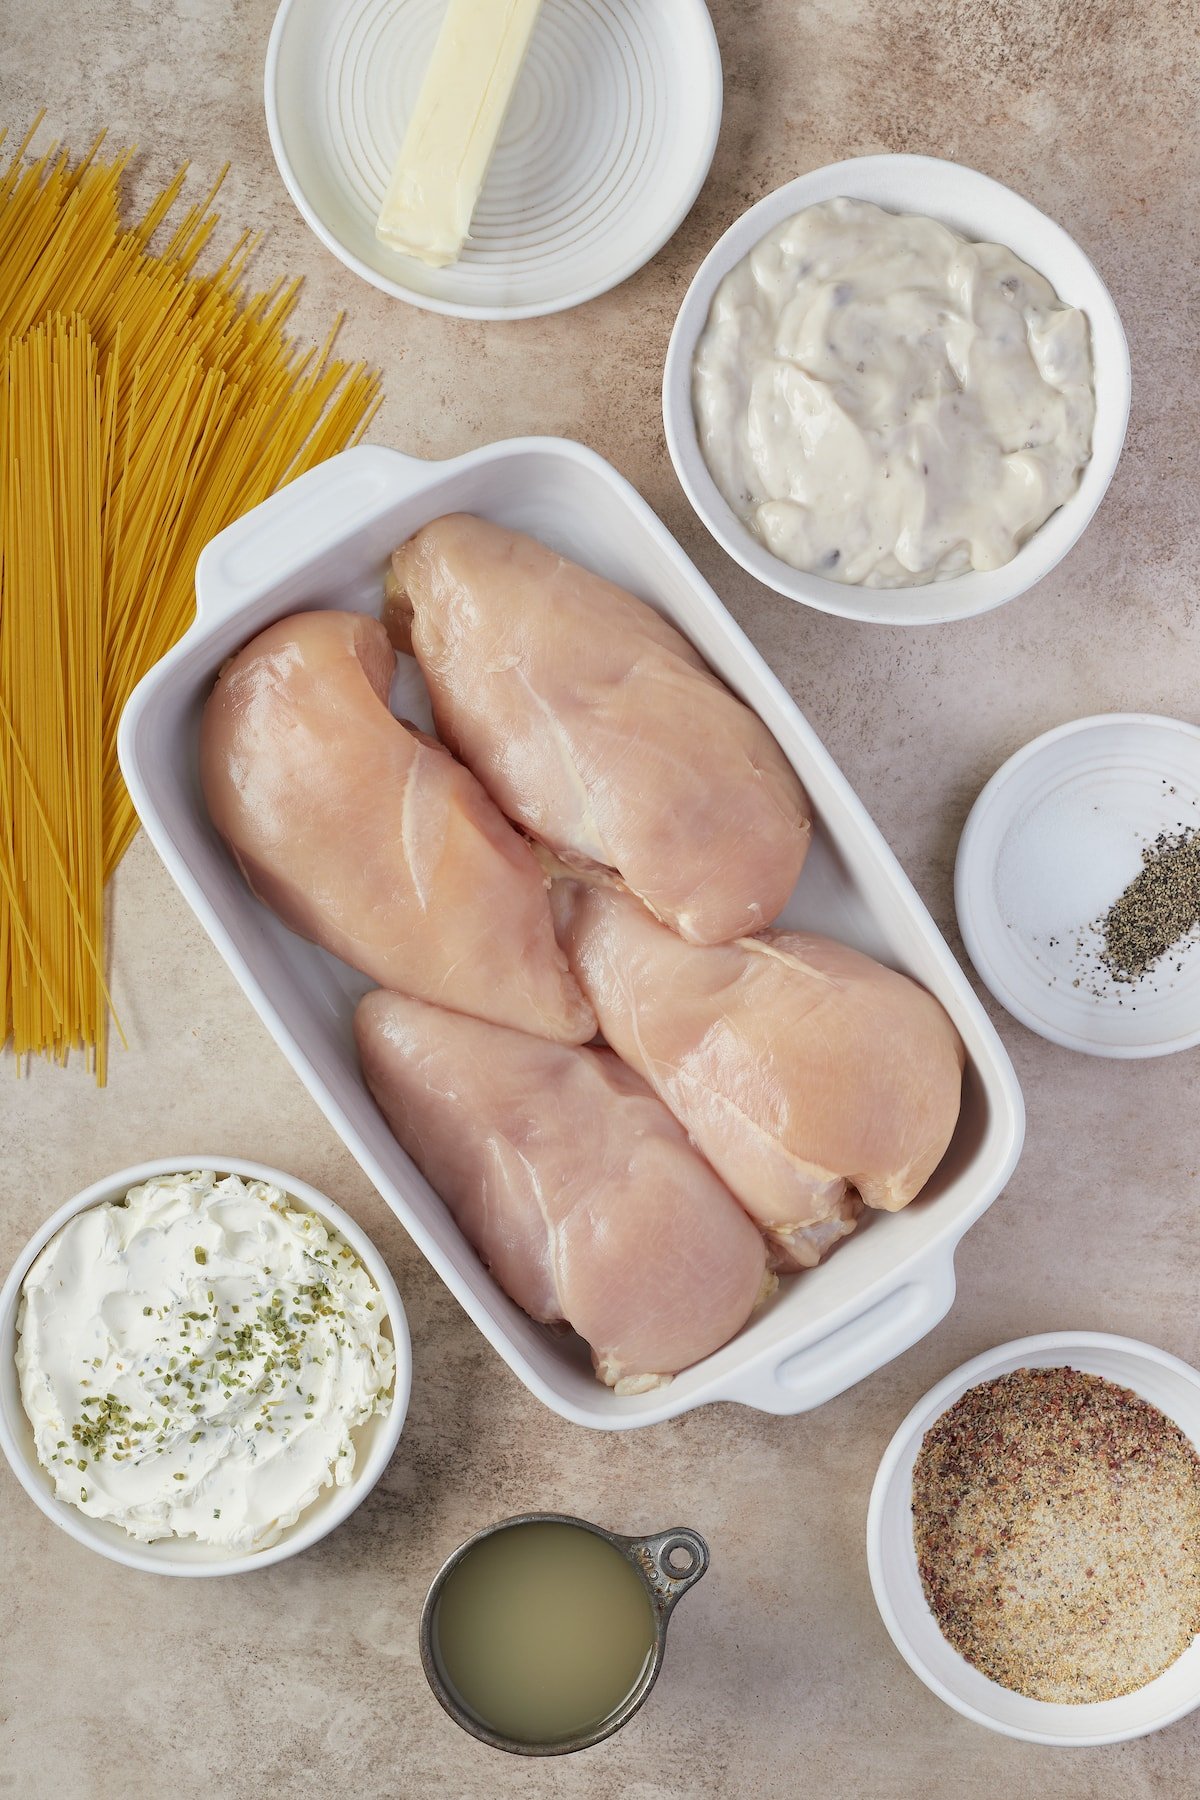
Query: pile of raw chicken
(598, 841)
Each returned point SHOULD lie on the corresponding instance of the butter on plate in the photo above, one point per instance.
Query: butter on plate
(460, 109)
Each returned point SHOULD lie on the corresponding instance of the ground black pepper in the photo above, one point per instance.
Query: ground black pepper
(1157, 911)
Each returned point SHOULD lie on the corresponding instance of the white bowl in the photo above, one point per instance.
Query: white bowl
(1053, 839)
(374, 1442)
(891, 1558)
(983, 211)
(607, 142)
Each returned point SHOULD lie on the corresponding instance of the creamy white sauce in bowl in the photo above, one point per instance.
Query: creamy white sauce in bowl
(918, 531)
(884, 403)
(201, 1372)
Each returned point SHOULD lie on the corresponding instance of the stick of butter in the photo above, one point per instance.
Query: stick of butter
(449, 142)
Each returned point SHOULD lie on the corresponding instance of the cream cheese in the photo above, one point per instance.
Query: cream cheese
(884, 403)
(196, 1359)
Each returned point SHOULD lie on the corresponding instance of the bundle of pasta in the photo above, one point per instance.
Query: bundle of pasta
(143, 406)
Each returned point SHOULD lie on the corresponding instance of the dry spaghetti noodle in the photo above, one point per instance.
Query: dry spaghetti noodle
(143, 406)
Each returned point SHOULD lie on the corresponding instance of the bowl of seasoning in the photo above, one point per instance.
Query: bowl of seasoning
(895, 391)
(1033, 1539)
(544, 1634)
(204, 1366)
(1077, 885)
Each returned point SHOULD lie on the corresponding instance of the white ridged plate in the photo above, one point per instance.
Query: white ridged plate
(608, 139)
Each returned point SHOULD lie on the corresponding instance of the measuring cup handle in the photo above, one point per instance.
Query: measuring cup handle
(671, 1579)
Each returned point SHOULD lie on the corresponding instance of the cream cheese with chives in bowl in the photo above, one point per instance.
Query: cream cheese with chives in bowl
(209, 1364)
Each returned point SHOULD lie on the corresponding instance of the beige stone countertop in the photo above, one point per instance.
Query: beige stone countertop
(305, 1679)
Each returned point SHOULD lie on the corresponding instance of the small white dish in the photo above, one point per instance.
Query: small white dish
(983, 211)
(1052, 841)
(607, 142)
(375, 1441)
(1167, 1383)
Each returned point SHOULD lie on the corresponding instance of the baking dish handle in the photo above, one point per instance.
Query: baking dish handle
(318, 510)
(807, 1378)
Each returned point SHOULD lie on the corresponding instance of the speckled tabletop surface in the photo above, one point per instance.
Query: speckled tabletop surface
(305, 1679)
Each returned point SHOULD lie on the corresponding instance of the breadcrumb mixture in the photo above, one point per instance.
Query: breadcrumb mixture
(1056, 1519)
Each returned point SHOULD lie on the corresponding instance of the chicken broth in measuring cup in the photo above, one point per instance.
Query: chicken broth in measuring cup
(545, 1634)
(542, 1631)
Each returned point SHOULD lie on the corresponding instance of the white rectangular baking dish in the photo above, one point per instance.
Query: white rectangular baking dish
(324, 541)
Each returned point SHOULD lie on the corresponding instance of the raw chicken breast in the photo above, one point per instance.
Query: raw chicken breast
(806, 1073)
(597, 727)
(369, 839)
(576, 1186)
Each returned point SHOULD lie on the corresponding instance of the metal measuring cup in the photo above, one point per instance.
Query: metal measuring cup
(669, 1563)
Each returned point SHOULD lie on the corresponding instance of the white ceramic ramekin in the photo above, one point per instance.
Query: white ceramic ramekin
(1167, 1383)
(984, 211)
(375, 1442)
